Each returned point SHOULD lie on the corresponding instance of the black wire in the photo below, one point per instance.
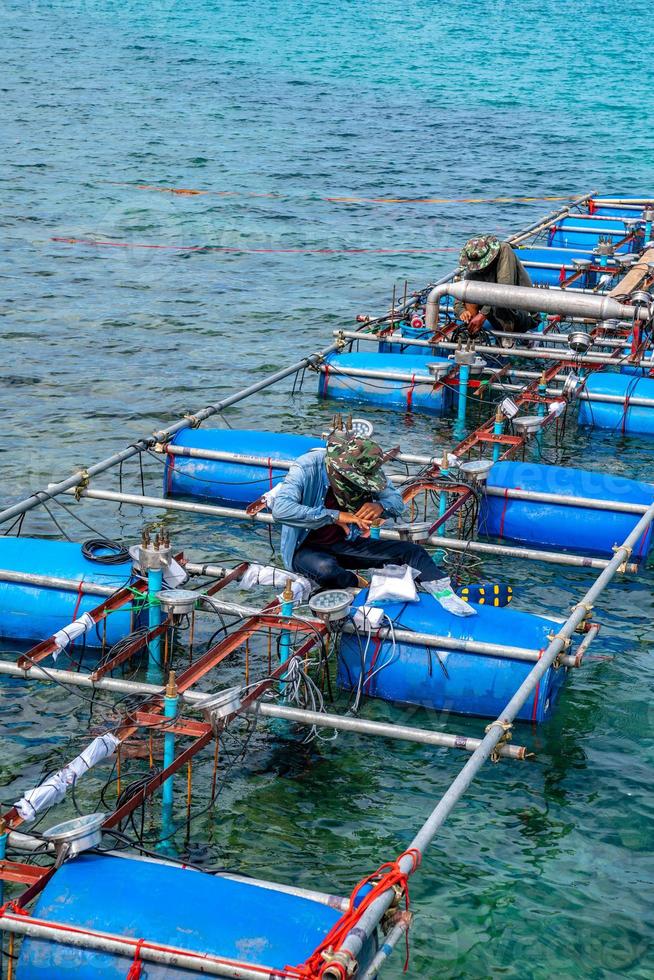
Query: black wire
(117, 555)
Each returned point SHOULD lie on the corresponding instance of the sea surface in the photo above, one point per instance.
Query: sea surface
(276, 112)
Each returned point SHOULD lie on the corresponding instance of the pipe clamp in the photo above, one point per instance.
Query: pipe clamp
(82, 485)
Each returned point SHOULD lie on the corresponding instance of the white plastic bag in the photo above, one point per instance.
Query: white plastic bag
(394, 583)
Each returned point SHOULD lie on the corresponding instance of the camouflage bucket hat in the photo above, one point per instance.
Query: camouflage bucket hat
(478, 253)
(356, 465)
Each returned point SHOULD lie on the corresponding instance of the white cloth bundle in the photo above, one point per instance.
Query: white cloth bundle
(54, 788)
(69, 633)
(269, 575)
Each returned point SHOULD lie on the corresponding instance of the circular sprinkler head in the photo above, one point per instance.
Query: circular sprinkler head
(580, 342)
(416, 531)
(528, 425)
(361, 428)
(331, 605)
(580, 265)
(571, 386)
(625, 259)
(608, 326)
(79, 834)
(438, 369)
(177, 602)
(476, 469)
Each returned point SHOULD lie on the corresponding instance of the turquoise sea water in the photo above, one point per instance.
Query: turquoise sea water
(544, 870)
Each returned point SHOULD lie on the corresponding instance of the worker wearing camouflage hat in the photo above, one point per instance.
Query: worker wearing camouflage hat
(487, 259)
(328, 503)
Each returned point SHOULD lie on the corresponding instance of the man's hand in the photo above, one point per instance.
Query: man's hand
(475, 324)
(469, 312)
(345, 520)
(370, 512)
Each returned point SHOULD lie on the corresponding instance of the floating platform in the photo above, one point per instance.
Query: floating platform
(547, 523)
(174, 906)
(399, 381)
(33, 611)
(451, 680)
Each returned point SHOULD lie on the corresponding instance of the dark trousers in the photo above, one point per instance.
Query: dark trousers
(513, 321)
(330, 565)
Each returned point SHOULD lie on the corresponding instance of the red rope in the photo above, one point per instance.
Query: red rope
(134, 971)
(506, 503)
(326, 380)
(13, 907)
(375, 654)
(387, 876)
(170, 472)
(409, 394)
(270, 472)
(625, 413)
(562, 275)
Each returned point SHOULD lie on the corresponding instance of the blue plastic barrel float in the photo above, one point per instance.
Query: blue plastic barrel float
(232, 482)
(35, 612)
(622, 416)
(551, 525)
(412, 389)
(538, 259)
(584, 233)
(452, 680)
(175, 906)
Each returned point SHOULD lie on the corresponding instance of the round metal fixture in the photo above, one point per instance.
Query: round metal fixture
(361, 428)
(79, 834)
(609, 326)
(641, 298)
(438, 369)
(580, 341)
(416, 531)
(527, 425)
(331, 605)
(221, 705)
(581, 264)
(176, 602)
(625, 259)
(571, 386)
(476, 469)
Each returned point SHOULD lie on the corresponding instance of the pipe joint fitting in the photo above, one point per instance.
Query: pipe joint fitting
(339, 964)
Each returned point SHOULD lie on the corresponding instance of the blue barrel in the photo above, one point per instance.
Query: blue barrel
(416, 393)
(566, 233)
(34, 612)
(559, 525)
(171, 905)
(465, 683)
(616, 211)
(232, 483)
(622, 417)
(561, 258)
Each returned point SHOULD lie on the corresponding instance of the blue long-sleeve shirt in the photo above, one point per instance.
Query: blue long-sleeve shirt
(299, 504)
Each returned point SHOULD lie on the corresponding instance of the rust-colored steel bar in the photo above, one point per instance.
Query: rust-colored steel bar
(47, 647)
(22, 874)
(130, 650)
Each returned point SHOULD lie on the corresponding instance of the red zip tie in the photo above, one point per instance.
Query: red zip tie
(562, 275)
(13, 907)
(134, 971)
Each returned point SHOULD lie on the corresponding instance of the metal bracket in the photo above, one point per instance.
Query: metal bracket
(342, 959)
(194, 420)
(315, 362)
(628, 553)
(341, 342)
(507, 735)
(82, 485)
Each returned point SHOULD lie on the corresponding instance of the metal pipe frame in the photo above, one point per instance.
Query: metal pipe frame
(162, 436)
(452, 544)
(592, 503)
(529, 298)
(495, 733)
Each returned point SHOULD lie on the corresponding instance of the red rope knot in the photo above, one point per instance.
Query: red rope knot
(137, 963)
(14, 907)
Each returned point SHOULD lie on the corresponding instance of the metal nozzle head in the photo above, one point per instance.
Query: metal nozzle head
(171, 686)
(287, 594)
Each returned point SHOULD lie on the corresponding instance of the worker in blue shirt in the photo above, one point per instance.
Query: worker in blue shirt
(328, 503)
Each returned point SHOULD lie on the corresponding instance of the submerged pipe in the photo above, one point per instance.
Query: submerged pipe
(529, 298)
